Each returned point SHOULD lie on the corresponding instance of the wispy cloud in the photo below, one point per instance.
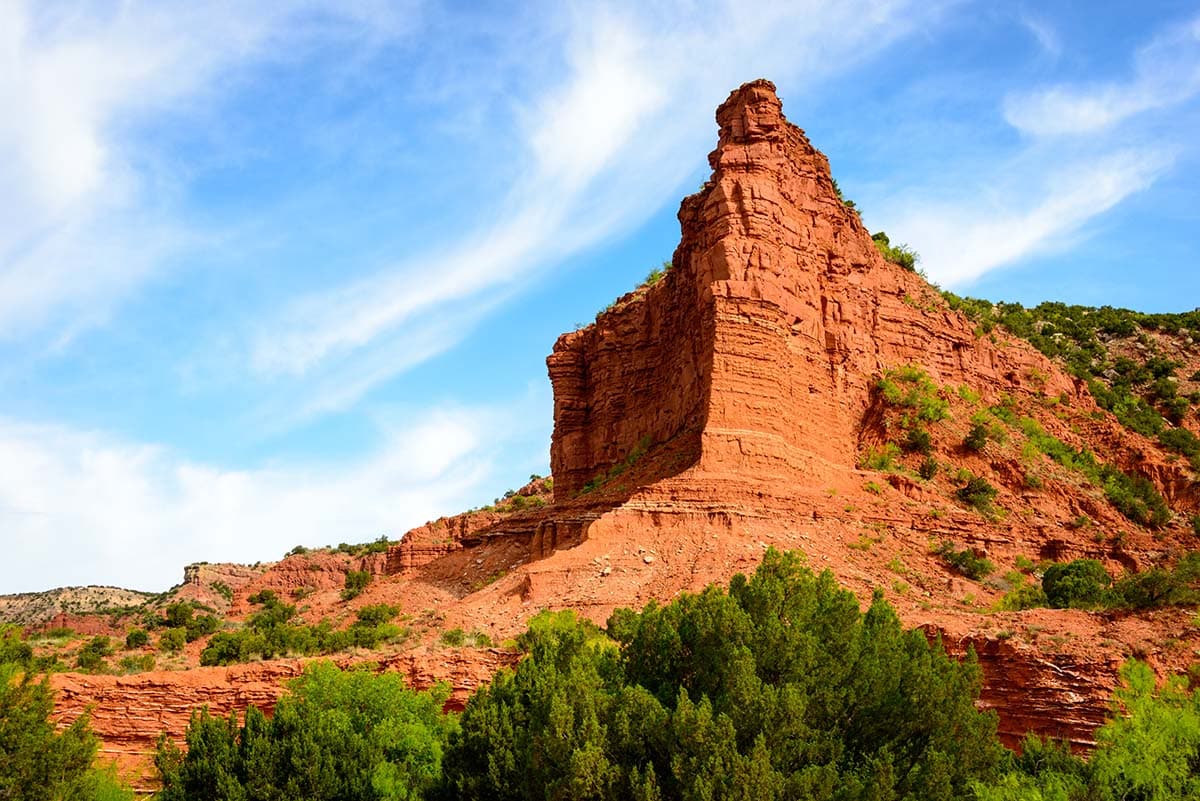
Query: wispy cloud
(82, 224)
(601, 150)
(962, 239)
(1166, 72)
(87, 508)
(984, 215)
(1042, 32)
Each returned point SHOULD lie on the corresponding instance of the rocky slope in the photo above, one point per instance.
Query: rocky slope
(757, 395)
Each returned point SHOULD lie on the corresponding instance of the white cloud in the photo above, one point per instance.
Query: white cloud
(606, 146)
(83, 508)
(1042, 32)
(80, 226)
(960, 239)
(1166, 72)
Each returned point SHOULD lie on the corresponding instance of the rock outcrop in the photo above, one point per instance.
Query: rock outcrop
(756, 355)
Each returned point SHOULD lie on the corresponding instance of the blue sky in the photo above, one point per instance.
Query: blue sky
(281, 273)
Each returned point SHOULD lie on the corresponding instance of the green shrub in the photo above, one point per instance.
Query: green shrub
(92, 655)
(172, 640)
(1196, 525)
(224, 590)
(335, 734)
(299, 550)
(657, 274)
(136, 664)
(38, 761)
(928, 468)
(977, 493)
(454, 638)
(884, 458)
(977, 437)
(356, 582)
(778, 682)
(136, 638)
(965, 561)
(1147, 750)
(1081, 583)
(1159, 586)
(902, 255)
(376, 614)
(1026, 596)
(917, 440)
(909, 387)
(13, 648)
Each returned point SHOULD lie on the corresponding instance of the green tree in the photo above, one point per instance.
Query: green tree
(335, 735)
(779, 687)
(36, 762)
(1083, 582)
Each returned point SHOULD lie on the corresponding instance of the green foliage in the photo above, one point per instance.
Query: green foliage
(182, 615)
(928, 468)
(1024, 596)
(977, 437)
(884, 458)
(356, 582)
(1133, 496)
(454, 638)
(172, 640)
(657, 274)
(379, 545)
(136, 664)
(38, 763)
(13, 648)
(224, 590)
(1081, 583)
(633, 457)
(335, 735)
(909, 387)
(917, 440)
(1139, 395)
(965, 561)
(136, 638)
(778, 688)
(847, 203)
(1085, 583)
(93, 653)
(271, 632)
(1149, 750)
(902, 255)
(1158, 586)
(977, 493)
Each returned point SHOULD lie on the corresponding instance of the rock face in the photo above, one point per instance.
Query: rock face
(756, 354)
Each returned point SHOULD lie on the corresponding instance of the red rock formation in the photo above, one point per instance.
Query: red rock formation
(723, 410)
(757, 352)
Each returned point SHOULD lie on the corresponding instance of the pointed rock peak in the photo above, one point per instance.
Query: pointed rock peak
(752, 113)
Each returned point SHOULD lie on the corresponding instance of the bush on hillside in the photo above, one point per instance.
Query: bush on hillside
(778, 688)
(1081, 583)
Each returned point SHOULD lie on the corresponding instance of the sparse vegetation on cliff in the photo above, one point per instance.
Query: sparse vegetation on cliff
(272, 631)
(1114, 352)
(901, 255)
